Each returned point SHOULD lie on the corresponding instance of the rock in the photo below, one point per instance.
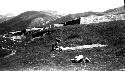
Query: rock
(77, 59)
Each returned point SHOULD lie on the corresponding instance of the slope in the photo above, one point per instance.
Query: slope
(24, 21)
(37, 53)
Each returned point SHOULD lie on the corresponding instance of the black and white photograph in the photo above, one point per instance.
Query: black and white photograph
(62, 35)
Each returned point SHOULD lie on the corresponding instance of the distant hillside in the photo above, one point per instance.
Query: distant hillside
(4, 18)
(74, 16)
(119, 10)
(32, 19)
(27, 19)
(1, 16)
(115, 10)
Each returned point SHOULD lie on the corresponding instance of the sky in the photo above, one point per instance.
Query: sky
(15, 7)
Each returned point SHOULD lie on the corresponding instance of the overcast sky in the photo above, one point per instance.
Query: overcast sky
(62, 6)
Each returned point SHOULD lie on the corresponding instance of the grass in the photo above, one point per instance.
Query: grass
(37, 53)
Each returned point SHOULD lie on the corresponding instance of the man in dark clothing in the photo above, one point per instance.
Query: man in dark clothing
(55, 45)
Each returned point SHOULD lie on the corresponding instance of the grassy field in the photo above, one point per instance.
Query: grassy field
(37, 54)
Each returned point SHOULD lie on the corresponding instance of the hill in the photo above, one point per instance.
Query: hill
(70, 17)
(32, 19)
(115, 10)
(4, 18)
(26, 20)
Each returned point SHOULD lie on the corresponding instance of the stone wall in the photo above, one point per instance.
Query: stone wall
(104, 18)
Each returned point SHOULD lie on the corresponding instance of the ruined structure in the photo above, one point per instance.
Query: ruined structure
(103, 18)
(71, 22)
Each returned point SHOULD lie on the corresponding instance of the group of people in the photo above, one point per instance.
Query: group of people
(55, 46)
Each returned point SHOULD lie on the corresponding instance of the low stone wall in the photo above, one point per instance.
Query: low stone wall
(104, 18)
